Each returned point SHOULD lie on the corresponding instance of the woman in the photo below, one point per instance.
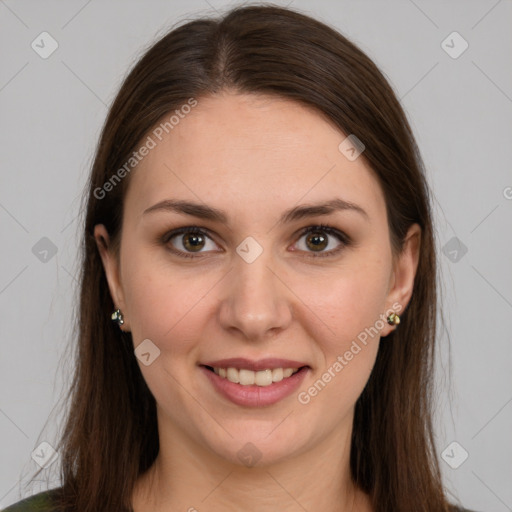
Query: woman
(257, 220)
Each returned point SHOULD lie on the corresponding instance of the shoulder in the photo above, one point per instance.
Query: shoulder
(40, 502)
(461, 509)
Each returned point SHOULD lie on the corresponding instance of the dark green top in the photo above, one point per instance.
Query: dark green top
(42, 502)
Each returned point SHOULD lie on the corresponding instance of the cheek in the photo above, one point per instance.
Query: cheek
(345, 318)
(347, 301)
(160, 301)
(164, 308)
(345, 311)
(158, 311)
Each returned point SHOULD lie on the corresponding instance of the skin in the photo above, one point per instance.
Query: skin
(254, 157)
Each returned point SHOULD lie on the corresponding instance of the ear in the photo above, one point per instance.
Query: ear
(111, 267)
(403, 274)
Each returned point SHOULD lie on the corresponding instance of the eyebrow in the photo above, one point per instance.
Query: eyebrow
(203, 211)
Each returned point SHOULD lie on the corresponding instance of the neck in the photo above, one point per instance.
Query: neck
(188, 476)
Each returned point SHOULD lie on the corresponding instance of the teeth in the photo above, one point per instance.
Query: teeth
(260, 378)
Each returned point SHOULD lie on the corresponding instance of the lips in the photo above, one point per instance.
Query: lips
(254, 395)
(260, 364)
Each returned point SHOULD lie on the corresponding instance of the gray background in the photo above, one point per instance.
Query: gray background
(460, 108)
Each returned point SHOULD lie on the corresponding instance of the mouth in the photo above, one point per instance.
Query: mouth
(261, 378)
(254, 388)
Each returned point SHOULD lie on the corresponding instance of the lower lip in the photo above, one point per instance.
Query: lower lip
(256, 396)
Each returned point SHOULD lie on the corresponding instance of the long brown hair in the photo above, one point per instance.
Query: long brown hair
(110, 437)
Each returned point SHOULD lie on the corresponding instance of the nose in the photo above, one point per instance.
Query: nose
(257, 302)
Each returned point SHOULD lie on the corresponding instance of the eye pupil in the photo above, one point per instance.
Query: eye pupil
(319, 241)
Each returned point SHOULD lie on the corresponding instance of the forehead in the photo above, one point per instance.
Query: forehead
(267, 150)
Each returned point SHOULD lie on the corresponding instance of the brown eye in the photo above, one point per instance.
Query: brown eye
(189, 240)
(319, 241)
(319, 238)
(316, 241)
(192, 241)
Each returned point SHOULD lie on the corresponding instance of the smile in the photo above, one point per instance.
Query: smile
(261, 378)
(254, 388)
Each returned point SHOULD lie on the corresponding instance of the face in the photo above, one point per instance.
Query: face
(261, 282)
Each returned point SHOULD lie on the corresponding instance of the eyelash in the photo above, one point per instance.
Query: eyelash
(196, 230)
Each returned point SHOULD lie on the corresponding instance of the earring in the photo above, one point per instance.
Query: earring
(393, 319)
(117, 316)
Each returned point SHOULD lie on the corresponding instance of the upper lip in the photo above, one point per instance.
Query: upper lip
(261, 364)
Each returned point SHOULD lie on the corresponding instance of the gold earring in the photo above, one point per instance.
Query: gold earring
(393, 319)
(117, 316)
